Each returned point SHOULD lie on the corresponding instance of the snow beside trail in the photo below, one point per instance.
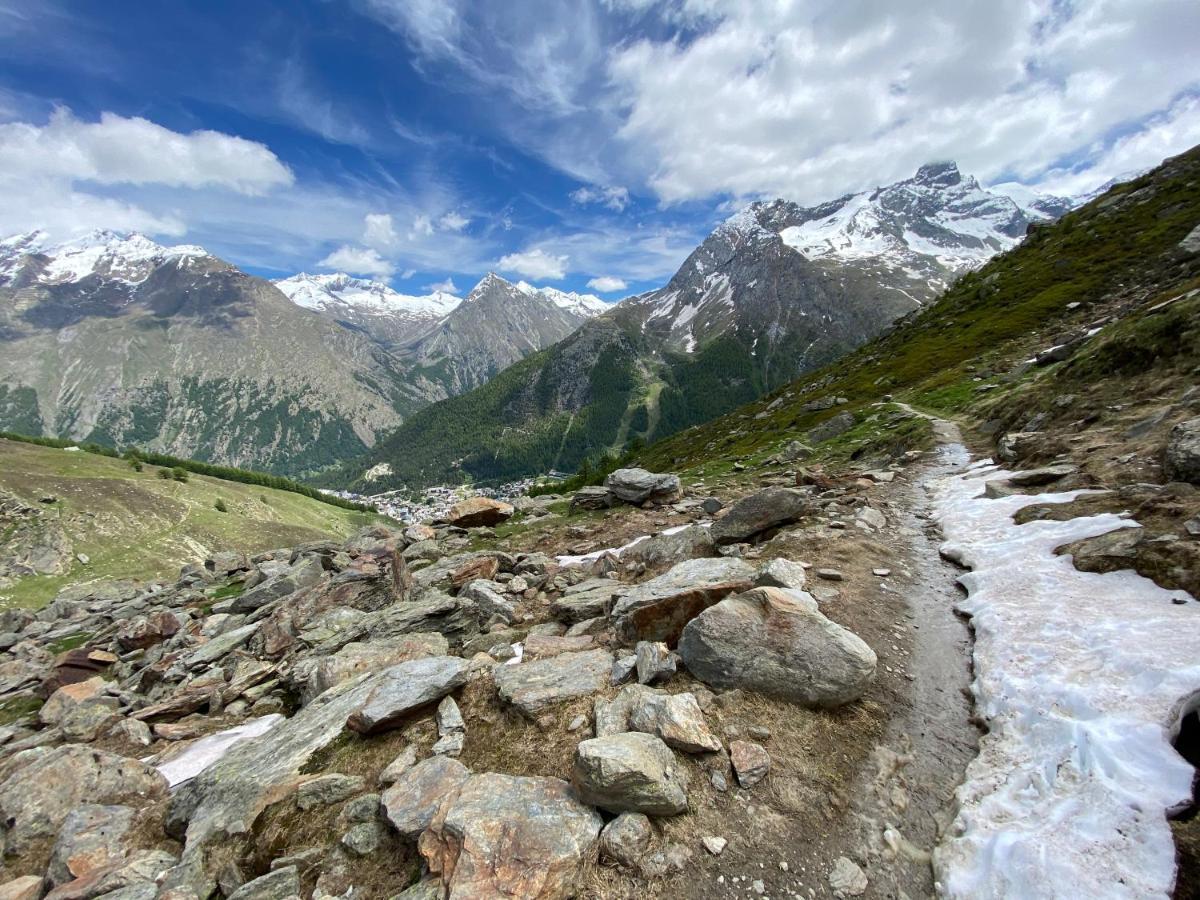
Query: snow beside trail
(205, 751)
(617, 551)
(1082, 680)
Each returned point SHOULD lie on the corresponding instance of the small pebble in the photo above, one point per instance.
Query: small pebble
(882, 573)
(829, 574)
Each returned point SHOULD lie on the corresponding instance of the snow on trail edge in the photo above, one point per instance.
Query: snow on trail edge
(1082, 680)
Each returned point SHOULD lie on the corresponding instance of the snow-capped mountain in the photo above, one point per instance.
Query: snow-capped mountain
(586, 305)
(124, 258)
(340, 291)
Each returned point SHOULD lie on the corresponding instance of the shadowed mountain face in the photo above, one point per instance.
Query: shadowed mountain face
(122, 341)
(774, 292)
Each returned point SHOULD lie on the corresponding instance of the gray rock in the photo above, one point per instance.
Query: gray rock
(449, 718)
(1044, 475)
(623, 668)
(759, 512)
(591, 498)
(1182, 461)
(831, 428)
(830, 575)
(510, 836)
(426, 889)
(587, 600)
(714, 845)
(326, 790)
(751, 762)
(281, 884)
(846, 879)
(711, 505)
(638, 486)
(676, 718)
(490, 604)
(630, 772)
(450, 745)
(871, 518)
(661, 550)
(410, 803)
(304, 574)
(398, 766)
(657, 610)
(406, 687)
(91, 837)
(781, 573)
(356, 658)
(654, 662)
(364, 838)
(776, 642)
(533, 687)
(626, 839)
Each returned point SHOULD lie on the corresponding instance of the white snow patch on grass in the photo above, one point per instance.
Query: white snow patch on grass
(1082, 679)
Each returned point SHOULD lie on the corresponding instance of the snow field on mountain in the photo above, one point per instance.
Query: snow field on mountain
(1082, 680)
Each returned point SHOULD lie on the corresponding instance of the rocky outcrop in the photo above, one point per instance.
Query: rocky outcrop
(760, 512)
(534, 687)
(1182, 456)
(657, 610)
(776, 641)
(638, 486)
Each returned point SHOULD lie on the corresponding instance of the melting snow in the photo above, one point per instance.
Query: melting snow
(617, 551)
(373, 297)
(202, 753)
(1082, 679)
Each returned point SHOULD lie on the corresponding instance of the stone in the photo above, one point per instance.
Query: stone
(830, 575)
(306, 573)
(846, 879)
(489, 602)
(757, 513)
(638, 486)
(481, 568)
(1043, 475)
(663, 550)
(132, 878)
(676, 718)
(356, 657)
(326, 790)
(70, 696)
(626, 839)
(623, 668)
(425, 889)
(714, 845)
(587, 600)
(46, 784)
(512, 836)
(776, 642)
(1182, 456)
(398, 766)
(280, 884)
(871, 518)
(751, 762)
(539, 646)
(91, 837)
(450, 745)
(781, 573)
(831, 428)
(86, 721)
(654, 662)
(479, 511)
(364, 838)
(658, 609)
(591, 498)
(449, 718)
(407, 687)
(26, 887)
(534, 687)
(711, 505)
(1109, 552)
(411, 803)
(133, 731)
(630, 772)
(146, 631)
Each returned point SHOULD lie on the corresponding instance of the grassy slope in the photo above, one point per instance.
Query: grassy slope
(137, 525)
(1116, 250)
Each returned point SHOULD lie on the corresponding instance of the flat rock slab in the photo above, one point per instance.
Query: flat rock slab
(406, 687)
(411, 803)
(630, 772)
(776, 642)
(658, 609)
(512, 836)
(536, 686)
(476, 511)
(759, 512)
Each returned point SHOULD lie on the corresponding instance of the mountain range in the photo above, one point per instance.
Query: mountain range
(775, 291)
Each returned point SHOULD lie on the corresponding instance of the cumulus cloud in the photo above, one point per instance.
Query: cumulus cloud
(535, 263)
(379, 231)
(358, 261)
(448, 286)
(615, 198)
(606, 284)
(809, 100)
(452, 221)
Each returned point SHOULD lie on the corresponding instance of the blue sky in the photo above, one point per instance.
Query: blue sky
(424, 143)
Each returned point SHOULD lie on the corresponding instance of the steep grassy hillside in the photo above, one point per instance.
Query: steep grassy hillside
(132, 524)
(1094, 281)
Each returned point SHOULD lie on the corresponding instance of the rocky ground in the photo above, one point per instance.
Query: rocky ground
(769, 697)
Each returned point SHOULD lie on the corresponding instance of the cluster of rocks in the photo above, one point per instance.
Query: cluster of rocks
(32, 541)
(634, 486)
(186, 713)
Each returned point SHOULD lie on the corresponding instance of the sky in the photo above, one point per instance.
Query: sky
(583, 144)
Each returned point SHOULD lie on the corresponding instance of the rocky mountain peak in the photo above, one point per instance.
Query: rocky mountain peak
(938, 174)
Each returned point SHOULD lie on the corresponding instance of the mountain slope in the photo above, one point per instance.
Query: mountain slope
(744, 314)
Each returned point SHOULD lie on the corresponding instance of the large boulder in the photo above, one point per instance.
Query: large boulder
(512, 836)
(776, 642)
(46, 784)
(533, 687)
(476, 511)
(638, 486)
(412, 801)
(587, 600)
(306, 573)
(759, 512)
(92, 837)
(662, 550)
(406, 687)
(356, 658)
(831, 428)
(630, 772)
(658, 609)
(1182, 461)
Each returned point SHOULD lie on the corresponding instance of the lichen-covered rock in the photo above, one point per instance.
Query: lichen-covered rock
(630, 772)
(759, 512)
(91, 837)
(626, 839)
(676, 718)
(533, 687)
(406, 687)
(658, 609)
(511, 836)
(777, 642)
(412, 801)
(638, 486)
(1182, 461)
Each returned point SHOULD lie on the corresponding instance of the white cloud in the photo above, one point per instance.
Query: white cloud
(448, 286)
(615, 198)
(810, 99)
(606, 284)
(452, 221)
(535, 263)
(379, 231)
(422, 225)
(358, 261)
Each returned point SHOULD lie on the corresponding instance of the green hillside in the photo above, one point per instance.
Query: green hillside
(132, 524)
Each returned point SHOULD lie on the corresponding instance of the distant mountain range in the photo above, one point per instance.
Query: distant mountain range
(121, 340)
(775, 291)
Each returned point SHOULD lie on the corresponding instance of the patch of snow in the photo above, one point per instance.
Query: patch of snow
(203, 752)
(340, 291)
(1082, 679)
(126, 258)
(586, 305)
(617, 551)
